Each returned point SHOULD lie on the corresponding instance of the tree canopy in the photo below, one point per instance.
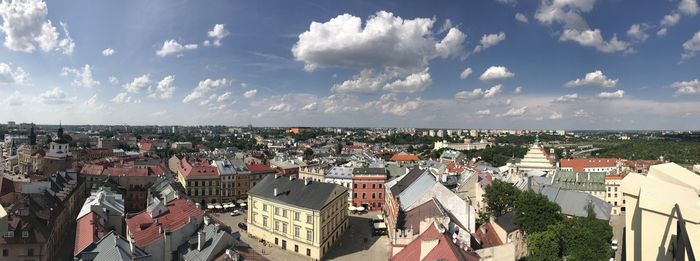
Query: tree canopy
(499, 197)
(533, 212)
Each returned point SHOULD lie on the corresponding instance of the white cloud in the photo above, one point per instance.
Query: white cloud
(280, 107)
(595, 78)
(521, 18)
(688, 7)
(108, 52)
(55, 96)
(637, 32)
(16, 99)
(384, 41)
(224, 97)
(124, 97)
(8, 75)
(26, 28)
(465, 95)
(567, 98)
(173, 47)
(670, 20)
(611, 95)
(483, 112)
(139, 83)
(687, 87)
(82, 77)
(518, 90)
(507, 2)
(555, 116)
(365, 82)
(691, 47)
(593, 38)
(113, 80)
(159, 113)
(489, 40)
(415, 82)
(581, 114)
(661, 32)
(445, 26)
(514, 112)
(493, 91)
(309, 107)
(494, 73)
(165, 88)
(216, 34)
(205, 87)
(250, 94)
(685, 7)
(465, 73)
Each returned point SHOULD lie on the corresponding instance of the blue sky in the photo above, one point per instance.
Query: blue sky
(562, 64)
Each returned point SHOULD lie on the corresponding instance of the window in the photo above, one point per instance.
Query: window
(308, 252)
(309, 219)
(5, 252)
(297, 231)
(380, 195)
(296, 248)
(373, 196)
(297, 216)
(284, 228)
(10, 234)
(609, 195)
(354, 185)
(380, 185)
(354, 195)
(364, 185)
(264, 207)
(277, 211)
(363, 195)
(310, 234)
(30, 252)
(373, 185)
(284, 213)
(265, 221)
(277, 225)
(615, 189)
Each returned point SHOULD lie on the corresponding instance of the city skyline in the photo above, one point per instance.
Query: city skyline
(501, 64)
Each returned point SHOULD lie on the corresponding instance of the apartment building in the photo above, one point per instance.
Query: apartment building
(300, 216)
(200, 179)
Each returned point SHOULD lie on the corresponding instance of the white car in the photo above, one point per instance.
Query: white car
(235, 213)
(614, 245)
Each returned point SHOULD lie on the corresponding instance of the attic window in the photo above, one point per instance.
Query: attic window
(25, 234)
(10, 234)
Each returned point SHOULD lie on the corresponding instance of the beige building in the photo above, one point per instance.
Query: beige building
(300, 216)
(613, 194)
(651, 217)
(536, 159)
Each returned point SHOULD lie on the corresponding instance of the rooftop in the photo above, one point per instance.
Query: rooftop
(300, 193)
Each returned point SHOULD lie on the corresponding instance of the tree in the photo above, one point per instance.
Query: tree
(586, 239)
(590, 211)
(499, 197)
(544, 245)
(533, 212)
(308, 152)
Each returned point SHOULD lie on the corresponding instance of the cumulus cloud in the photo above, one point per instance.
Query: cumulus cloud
(514, 112)
(82, 77)
(384, 41)
(216, 35)
(493, 91)
(173, 47)
(489, 40)
(124, 97)
(365, 82)
(445, 26)
(483, 112)
(415, 82)
(611, 95)
(691, 47)
(555, 116)
(495, 73)
(27, 28)
(518, 90)
(688, 7)
(164, 89)
(139, 83)
(595, 78)
(567, 98)
(685, 7)
(205, 87)
(16, 99)
(280, 107)
(575, 28)
(224, 97)
(108, 52)
(465, 73)
(637, 32)
(8, 75)
(250, 93)
(55, 96)
(521, 18)
(687, 87)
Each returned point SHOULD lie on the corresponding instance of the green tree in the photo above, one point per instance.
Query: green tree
(586, 239)
(308, 152)
(499, 197)
(544, 245)
(533, 212)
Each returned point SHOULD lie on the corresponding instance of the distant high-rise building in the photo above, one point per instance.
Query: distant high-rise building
(10, 124)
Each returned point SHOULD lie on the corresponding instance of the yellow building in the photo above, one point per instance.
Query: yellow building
(200, 179)
(301, 216)
(651, 216)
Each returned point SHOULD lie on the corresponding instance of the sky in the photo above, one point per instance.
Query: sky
(549, 64)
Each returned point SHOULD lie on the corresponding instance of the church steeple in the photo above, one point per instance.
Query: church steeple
(59, 134)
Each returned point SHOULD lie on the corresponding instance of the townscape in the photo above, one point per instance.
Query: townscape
(247, 193)
(305, 130)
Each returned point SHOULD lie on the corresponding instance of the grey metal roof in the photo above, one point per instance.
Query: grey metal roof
(216, 240)
(574, 203)
(112, 247)
(339, 172)
(369, 171)
(313, 195)
(415, 190)
(506, 222)
(406, 180)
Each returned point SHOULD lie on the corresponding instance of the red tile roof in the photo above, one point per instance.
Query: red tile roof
(126, 171)
(452, 167)
(404, 157)
(144, 229)
(257, 168)
(197, 168)
(88, 229)
(489, 238)
(92, 169)
(444, 250)
(579, 165)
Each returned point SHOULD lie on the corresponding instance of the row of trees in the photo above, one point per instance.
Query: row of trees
(549, 235)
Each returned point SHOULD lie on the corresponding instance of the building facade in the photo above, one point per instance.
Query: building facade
(201, 180)
(368, 188)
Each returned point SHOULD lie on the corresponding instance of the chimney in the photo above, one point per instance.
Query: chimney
(200, 240)
(274, 192)
(307, 181)
(291, 177)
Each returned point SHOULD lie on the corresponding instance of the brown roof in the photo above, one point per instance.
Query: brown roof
(404, 157)
(580, 164)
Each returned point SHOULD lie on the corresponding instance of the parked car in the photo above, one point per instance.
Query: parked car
(243, 226)
(235, 213)
(614, 245)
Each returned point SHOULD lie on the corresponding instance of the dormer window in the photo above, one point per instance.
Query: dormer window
(25, 234)
(10, 234)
